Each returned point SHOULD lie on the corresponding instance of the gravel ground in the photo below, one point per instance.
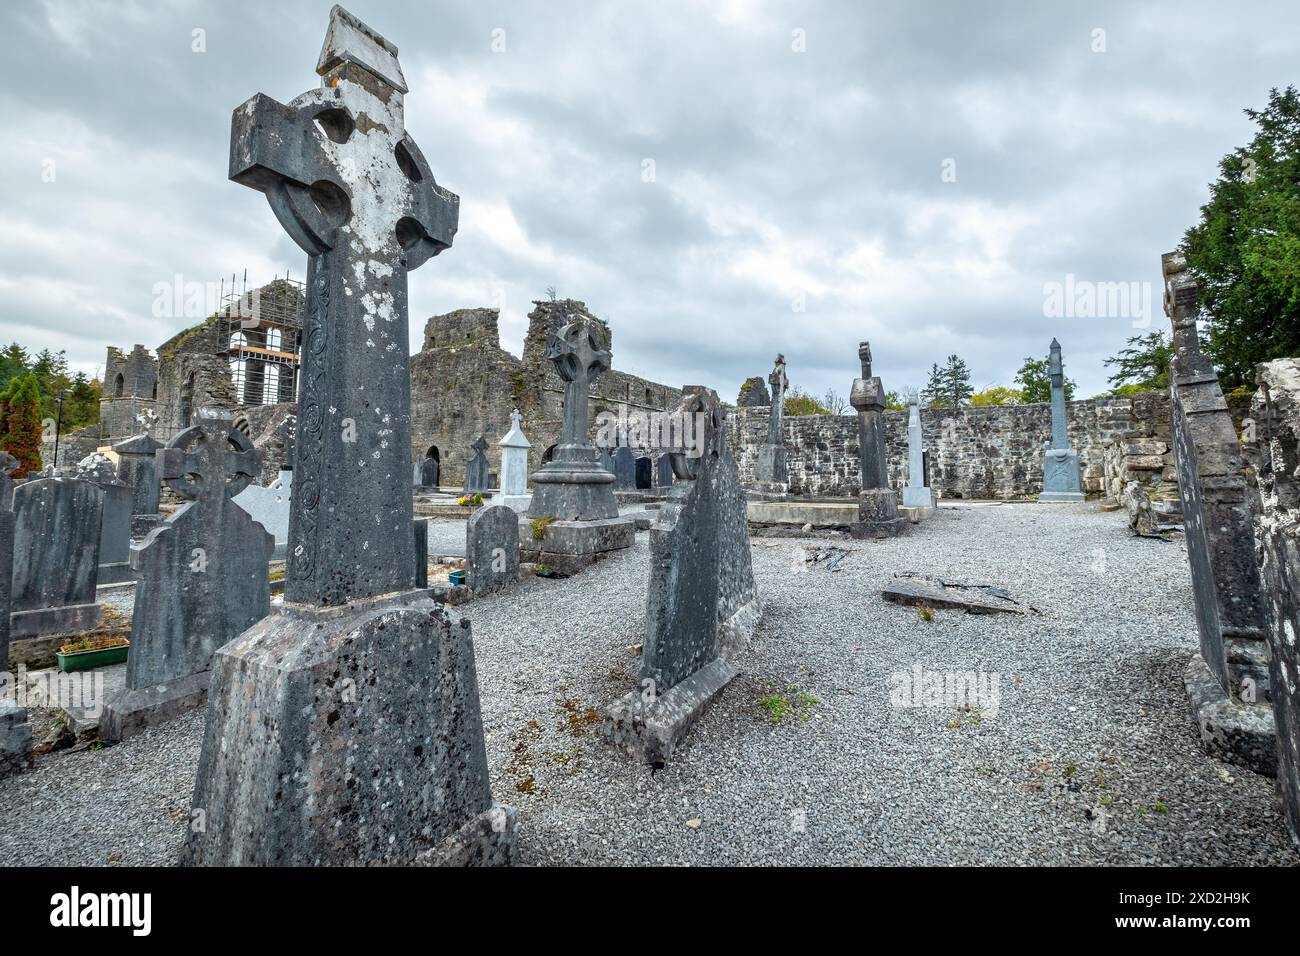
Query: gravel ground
(1087, 756)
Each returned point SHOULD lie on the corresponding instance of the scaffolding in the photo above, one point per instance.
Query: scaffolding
(260, 332)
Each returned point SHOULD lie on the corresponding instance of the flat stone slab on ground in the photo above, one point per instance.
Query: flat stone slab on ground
(936, 593)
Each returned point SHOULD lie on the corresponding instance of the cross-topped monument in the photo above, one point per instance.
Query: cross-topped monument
(344, 728)
(573, 486)
(771, 476)
(201, 578)
(353, 190)
(878, 515)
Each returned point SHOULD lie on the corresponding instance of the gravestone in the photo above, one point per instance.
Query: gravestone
(269, 506)
(572, 488)
(916, 494)
(644, 474)
(664, 471)
(878, 515)
(15, 729)
(1227, 683)
(476, 469)
(115, 524)
(514, 466)
(624, 469)
(56, 557)
(492, 548)
(702, 605)
(357, 699)
(771, 476)
(202, 578)
(136, 467)
(427, 476)
(1275, 416)
(1061, 477)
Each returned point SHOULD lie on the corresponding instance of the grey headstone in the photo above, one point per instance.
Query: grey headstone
(56, 556)
(421, 552)
(663, 471)
(476, 469)
(1061, 475)
(702, 604)
(202, 578)
(1218, 520)
(137, 467)
(624, 468)
(492, 548)
(429, 472)
(916, 494)
(344, 728)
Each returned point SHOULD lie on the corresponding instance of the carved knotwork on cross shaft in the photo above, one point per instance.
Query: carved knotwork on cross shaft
(209, 461)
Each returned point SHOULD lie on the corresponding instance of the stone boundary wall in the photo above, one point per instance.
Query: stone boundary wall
(993, 452)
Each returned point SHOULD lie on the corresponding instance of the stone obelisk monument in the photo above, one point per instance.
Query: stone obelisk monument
(1061, 480)
(344, 728)
(916, 493)
(878, 515)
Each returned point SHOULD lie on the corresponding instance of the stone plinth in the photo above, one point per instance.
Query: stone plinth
(878, 515)
(570, 546)
(374, 720)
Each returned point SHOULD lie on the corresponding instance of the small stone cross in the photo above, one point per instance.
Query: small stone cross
(209, 461)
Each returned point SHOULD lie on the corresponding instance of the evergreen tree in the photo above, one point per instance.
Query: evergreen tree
(1035, 385)
(1144, 365)
(1245, 251)
(22, 437)
(949, 386)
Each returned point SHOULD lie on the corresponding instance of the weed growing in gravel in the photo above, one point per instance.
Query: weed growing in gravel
(779, 706)
(926, 612)
(539, 526)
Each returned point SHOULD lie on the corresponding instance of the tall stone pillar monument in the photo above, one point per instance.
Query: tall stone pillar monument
(916, 494)
(344, 728)
(878, 515)
(514, 465)
(771, 475)
(1061, 480)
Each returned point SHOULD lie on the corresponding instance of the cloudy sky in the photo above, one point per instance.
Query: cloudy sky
(721, 181)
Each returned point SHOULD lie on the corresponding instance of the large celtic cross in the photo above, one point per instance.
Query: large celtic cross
(580, 355)
(352, 189)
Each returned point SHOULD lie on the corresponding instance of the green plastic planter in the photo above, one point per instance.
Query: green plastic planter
(86, 660)
(456, 578)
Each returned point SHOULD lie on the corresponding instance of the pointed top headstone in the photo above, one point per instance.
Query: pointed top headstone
(515, 438)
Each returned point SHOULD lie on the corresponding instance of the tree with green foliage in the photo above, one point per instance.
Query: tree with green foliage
(1245, 251)
(895, 401)
(1142, 366)
(997, 395)
(22, 436)
(1034, 384)
(799, 402)
(949, 385)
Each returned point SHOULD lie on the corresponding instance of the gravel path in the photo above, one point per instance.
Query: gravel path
(1088, 757)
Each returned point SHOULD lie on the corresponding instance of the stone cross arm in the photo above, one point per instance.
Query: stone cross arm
(209, 459)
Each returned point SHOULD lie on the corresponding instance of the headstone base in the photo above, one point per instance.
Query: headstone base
(1061, 480)
(878, 515)
(48, 621)
(652, 731)
(15, 740)
(1243, 734)
(487, 840)
(570, 546)
(134, 710)
(338, 736)
(1066, 496)
(573, 490)
(920, 497)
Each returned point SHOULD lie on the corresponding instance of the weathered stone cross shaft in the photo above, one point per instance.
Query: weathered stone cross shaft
(354, 191)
